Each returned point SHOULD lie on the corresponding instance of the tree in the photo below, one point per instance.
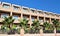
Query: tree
(23, 24)
(55, 24)
(48, 27)
(36, 26)
(58, 28)
(7, 23)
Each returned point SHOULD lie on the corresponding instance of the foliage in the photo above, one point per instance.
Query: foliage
(5, 29)
(48, 27)
(55, 23)
(23, 23)
(8, 20)
(7, 24)
(35, 27)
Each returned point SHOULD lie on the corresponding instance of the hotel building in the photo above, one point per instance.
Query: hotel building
(7, 9)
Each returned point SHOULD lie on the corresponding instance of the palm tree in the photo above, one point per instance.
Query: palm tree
(48, 27)
(55, 24)
(23, 24)
(36, 26)
(58, 28)
(8, 22)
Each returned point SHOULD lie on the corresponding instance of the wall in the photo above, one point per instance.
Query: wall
(50, 34)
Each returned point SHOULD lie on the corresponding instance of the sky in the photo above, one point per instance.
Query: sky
(46, 5)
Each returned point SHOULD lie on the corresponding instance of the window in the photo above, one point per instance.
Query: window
(25, 10)
(15, 8)
(5, 6)
(25, 17)
(15, 17)
(32, 18)
(4, 15)
(41, 20)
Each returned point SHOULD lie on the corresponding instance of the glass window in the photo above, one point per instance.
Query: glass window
(40, 20)
(15, 8)
(15, 17)
(32, 18)
(4, 15)
(5, 6)
(25, 17)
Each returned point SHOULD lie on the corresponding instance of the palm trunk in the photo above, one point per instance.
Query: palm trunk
(55, 32)
(22, 32)
(41, 31)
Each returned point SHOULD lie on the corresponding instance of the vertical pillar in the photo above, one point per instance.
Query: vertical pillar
(22, 29)
(44, 19)
(37, 17)
(41, 31)
(55, 32)
(10, 13)
(50, 20)
(30, 21)
(11, 8)
(22, 32)
(21, 13)
(21, 16)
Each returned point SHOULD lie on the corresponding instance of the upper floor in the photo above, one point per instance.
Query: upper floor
(25, 10)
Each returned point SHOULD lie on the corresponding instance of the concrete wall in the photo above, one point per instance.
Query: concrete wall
(50, 34)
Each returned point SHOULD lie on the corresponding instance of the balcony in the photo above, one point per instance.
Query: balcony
(52, 15)
(25, 11)
(16, 8)
(46, 14)
(52, 20)
(5, 7)
(33, 18)
(41, 20)
(40, 13)
(16, 17)
(33, 11)
(57, 16)
(47, 20)
(4, 15)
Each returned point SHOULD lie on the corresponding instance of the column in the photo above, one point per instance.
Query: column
(50, 20)
(30, 21)
(44, 19)
(41, 31)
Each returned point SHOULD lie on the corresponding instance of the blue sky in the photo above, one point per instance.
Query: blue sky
(47, 5)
